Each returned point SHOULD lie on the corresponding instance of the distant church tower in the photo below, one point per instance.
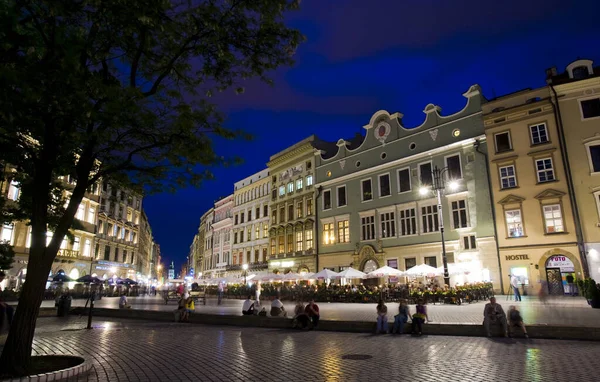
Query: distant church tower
(172, 270)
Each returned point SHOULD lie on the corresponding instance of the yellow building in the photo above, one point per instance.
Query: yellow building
(577, 90)
(534, 211)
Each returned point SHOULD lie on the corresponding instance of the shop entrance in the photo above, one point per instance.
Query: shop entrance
(370, 266)
(558, 267)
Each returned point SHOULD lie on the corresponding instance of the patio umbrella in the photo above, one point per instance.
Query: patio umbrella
(352, 273)
(89, 279)
(325, 274)
(129, 281)
(271, 277)
(453, 269)
(62, 278)
(421, 270)
(292, 276)
(385, 271)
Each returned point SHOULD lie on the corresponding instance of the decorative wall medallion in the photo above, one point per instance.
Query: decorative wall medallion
(342, 163)
(382, 131)
(433, 134)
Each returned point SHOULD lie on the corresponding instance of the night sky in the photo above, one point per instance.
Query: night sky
(364, 56)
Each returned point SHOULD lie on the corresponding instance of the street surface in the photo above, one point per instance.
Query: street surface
(148, 351)
(569, 311)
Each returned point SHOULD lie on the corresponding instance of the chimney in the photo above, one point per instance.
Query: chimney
(551, 72)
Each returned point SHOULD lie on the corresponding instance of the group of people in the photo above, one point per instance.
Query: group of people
(304, 316)
(493, 314)
(5, 309)
(400, 319)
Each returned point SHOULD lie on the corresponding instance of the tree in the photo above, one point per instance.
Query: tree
(7, 255)
(118, 91)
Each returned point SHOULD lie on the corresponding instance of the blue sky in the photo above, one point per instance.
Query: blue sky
(364, 56)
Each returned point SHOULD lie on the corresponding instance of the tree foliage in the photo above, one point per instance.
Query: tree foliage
(119, 90)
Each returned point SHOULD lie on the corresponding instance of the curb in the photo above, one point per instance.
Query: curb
(57, 375)
(468, 330)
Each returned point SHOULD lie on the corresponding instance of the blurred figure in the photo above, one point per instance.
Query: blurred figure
(382, 321)
(514, 282)
(494, 314)
(515, 320)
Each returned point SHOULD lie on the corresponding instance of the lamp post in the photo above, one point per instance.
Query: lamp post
(245, 268)
(438, 186)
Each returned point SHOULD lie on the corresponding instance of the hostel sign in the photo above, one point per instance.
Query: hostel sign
(517, 257)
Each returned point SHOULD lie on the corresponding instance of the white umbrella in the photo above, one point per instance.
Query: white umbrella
(421, 270)
(307, 276)
(325, 274)
(453, 269)
(291, 276)
(271, 277)
(352, 273)
(385, 271)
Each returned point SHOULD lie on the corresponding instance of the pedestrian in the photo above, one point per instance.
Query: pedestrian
(258, 290)
(181, 312)
(277, 309)
(419, 318)
(382, 321)
(301, 319)
(514, 282)
(180, 289)
(220, 293)
(123, 304)
(312, 310)
(494, 314)
(401, 318)
(515, 320)
(571, 283)
(248, 307)
(5, 309)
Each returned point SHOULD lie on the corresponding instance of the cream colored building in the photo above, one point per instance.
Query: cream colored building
(292, 232)
(534, 211)
(251, 222)
(578, 92)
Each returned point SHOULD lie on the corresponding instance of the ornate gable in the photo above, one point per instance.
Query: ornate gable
(511, 199)
(550, 194)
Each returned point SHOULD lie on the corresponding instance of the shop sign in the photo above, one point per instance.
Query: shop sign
(517, 257)
(564, 263)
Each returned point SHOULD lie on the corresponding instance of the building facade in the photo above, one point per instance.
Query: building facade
(251, 222)
(576, 93)
(208, 243)
(221, 237)
(145, 247)
(292, 232)
(376, 205)
(536, 228)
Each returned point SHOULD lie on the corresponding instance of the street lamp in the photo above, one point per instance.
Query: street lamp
(245, 268)
(438, 187)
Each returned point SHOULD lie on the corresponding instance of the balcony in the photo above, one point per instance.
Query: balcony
(68, 253)
(84, 226)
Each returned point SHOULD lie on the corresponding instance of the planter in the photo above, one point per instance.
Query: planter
(595, 303)
(45, 368)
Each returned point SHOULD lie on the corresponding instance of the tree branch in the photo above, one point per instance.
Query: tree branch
(136, 59)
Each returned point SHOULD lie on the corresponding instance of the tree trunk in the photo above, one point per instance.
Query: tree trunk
(16, 356)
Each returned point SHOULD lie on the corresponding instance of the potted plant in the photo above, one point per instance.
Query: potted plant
(592, 293)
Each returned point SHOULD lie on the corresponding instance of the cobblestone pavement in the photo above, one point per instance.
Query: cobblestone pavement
(571, 311)
(148, 351)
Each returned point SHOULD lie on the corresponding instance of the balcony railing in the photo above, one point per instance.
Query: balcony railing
(68, 253)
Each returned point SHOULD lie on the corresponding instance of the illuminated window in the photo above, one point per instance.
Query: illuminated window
(514, 223)
(343, 227)
(328, 236)
(553, 218)
(308, 235)
(299, 243)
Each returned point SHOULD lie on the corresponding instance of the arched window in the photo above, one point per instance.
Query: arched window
(580, 72)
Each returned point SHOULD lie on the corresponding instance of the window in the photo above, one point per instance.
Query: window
(328, 235)
(7, 233)
(235, 238)
(545, 172)
(265, 211)
(553, 218)
(454, 169)
(257, 233)
(290, 212)
(281, 190)
(367, 225)
(308, 235)
(309, 209)
(343, 227)
(299, 209)
(431, 261)
(309, 181)
(539, 134)
(508, 178)
(290, 187)
(274, 216)
(115, 231)
(281, 241)
(290, 243)
(590, 108)
(124, 256)
(273, 248)
(308, 165)
(249, 215)
(341, 196)
(242, 236)
(76, 243)
(265, 230)
(513, 223)
(327, 200)
(299, 184)
(392, 263)
(469, 242)
(408, 221)
(235, 219)
(580, 72)
(257, 216)
(366, 190)
(503, 142)
(242, 218)
(107, 253)
(594, 156)
(13, 190)
(425, 174)
(273, 194)
(87, 248)
(388, 224)
(81, 212)
(264, 254)
(117, 254)
(409, 263)
(404, 180)
(92, 215)
(299, 241)
(429, 218)
(459, 214)
(384, 185)
(281, 214)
